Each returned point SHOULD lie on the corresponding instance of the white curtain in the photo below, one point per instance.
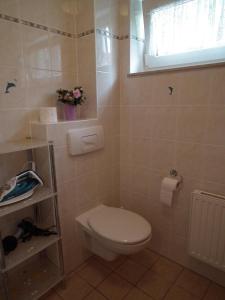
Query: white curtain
(185, 26)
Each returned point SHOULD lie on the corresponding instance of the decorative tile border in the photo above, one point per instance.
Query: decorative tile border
(107, 33)
(67, 34)
(9, 18)
(124, 37)
(35, 25)
(85, 33)
(136, 38)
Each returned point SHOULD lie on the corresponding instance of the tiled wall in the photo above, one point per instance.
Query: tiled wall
(40, 46)
(147, 130)
(85, 181)
(159, 132)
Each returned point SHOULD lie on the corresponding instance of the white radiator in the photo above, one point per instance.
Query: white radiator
(207, 228)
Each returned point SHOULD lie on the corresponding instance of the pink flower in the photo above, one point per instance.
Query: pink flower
(76, 93)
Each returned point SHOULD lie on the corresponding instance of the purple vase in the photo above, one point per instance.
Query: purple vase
(69, 112)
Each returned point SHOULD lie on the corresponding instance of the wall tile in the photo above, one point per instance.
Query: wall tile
(10, 7)
(160, 89)
(216, 126)
(60, 15)
(191, 124)
(107, 15)
(13, 124)
(194, 87)
(85, 17)
(217, 87)
(162, 122)
(62, 52)
(162, 155)
(36, 48)
(39, 92)
(143, 128)
(15, 97)
(11, 44)
(34, 11)
(189, 159)
(214, 164)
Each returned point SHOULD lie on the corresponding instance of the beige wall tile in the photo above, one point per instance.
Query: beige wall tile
(189, 160)
(194, 87)
(16, 96)
(217, 87)
(216, 126)
(36, 48)
(11, 44)
(13, 124)
(61, 15)
(34, 11)
(85, 18)
(40, 91)
(10, 7)
(62, 52)
(214, 164)
(162, 155)
(191, 124)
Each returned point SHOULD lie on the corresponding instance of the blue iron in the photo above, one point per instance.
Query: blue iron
(20, 187)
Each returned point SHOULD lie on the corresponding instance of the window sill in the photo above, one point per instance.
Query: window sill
(176, 69)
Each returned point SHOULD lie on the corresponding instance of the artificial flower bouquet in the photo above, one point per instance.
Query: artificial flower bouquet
(71, 97)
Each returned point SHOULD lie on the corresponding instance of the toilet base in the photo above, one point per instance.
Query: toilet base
(95, 247)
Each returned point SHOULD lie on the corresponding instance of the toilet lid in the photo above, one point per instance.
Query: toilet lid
(119, 225)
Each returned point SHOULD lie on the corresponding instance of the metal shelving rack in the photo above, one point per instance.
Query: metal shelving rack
(35, 266)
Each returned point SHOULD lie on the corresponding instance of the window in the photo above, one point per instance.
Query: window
(183, 32)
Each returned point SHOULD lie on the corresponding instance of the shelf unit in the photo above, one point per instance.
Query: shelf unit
(35, 266)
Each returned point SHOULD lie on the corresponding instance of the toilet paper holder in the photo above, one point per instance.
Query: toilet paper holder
(173, 173)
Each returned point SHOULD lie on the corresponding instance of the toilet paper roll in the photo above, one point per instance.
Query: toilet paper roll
(48, 115)
(168, 186)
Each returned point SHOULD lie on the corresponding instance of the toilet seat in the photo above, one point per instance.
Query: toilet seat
(119, 226)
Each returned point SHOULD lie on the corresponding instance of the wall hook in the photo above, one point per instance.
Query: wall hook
(171, 89)
(9, 85)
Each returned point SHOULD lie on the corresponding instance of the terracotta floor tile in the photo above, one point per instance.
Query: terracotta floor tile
(131, 271)
(146, 258)
(154, 285)
(136, 294)
(177, 293)
(51, 296)
(94, 272)
(95, 295)
(114, 287)
(193, 283)
(167, 269)
(215, 292)
(76, 288)
(113, 265)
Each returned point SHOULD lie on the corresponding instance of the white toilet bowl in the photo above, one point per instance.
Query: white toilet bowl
(110, 231)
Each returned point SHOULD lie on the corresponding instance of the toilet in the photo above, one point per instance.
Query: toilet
(109, 232)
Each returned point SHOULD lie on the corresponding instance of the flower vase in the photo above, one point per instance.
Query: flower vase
(69, 112)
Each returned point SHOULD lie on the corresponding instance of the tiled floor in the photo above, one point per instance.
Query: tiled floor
(143, 276)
